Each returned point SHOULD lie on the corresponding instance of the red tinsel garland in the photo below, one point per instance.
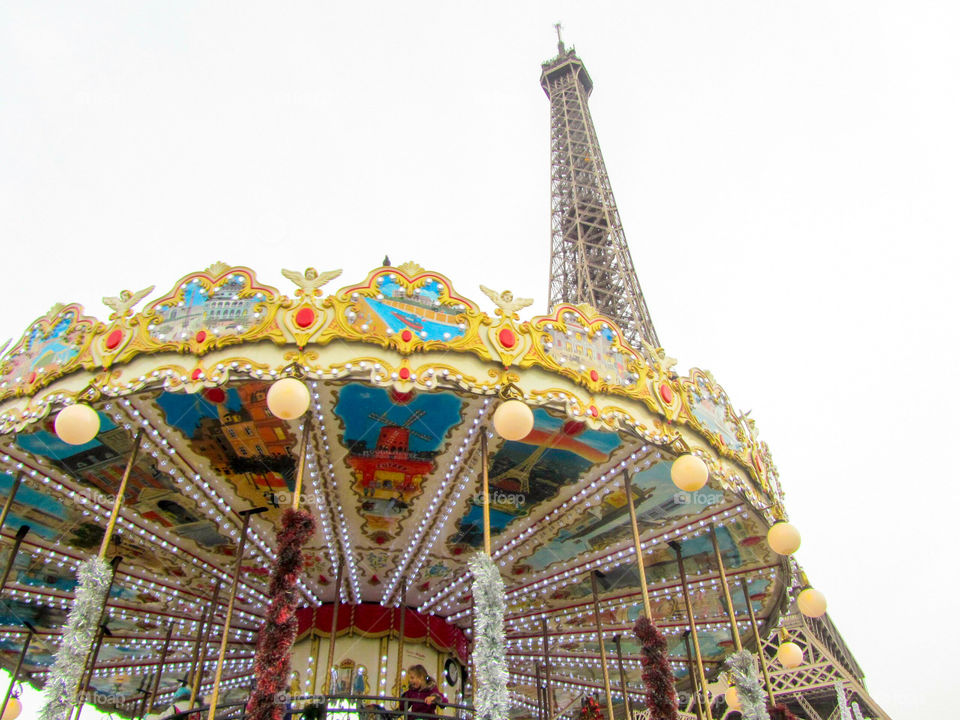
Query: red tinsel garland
(661, 696)
(272, 661)
(780, 712)
(590, 709)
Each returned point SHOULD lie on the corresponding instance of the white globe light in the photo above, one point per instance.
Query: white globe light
(288, 398)
(783, 538)
(13, 709)
(790, 655)
(513, 420)
(77, 424)
(689, 473)
(812, 603)
(733, 700)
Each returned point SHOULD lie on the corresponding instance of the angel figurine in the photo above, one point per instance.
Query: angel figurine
(507, 304)
(123, 305)
(310, 280)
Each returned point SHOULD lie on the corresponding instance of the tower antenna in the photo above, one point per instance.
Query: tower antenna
(560, 46)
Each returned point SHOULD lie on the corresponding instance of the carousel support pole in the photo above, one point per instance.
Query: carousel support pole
(16, 672)
(141, 706)
(9, 502)
(301, 462)
(88, 673)
(218, 674)
(197, 668)
(539, 681)
(623, 677)
(628, 489)
(163, 661)
(548, 695)
(333, 626)
(731, 612)
(485, 473)
(21, 534)
(694, 686)
(91, 660)
(403, 629)
(756, 637)
(118, 500)
(603, 649)
(315, 653)
(693, 625)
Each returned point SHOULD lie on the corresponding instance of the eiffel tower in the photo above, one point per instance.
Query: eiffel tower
(590, 263)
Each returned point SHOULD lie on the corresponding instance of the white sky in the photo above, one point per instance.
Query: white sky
(787, 174)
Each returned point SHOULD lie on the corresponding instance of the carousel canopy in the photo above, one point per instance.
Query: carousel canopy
(404, 375)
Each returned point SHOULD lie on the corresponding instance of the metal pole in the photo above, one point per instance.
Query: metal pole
(215, 697)
(731, 613)
(485, 472)
(693, 624)
(623, 678)
(548, 705)
(141, 705)
(315, 652)
(301, 462)
(628, 489)
(9, 502)
(118, 500)
(603, 650)
(756, 638)
(403, 626)
(333, 627)
(163, 661)
(694, 687)
(88, 674)
(539, 681)
(21, 534)
(200, 651)
(114, 564)
(16, 672)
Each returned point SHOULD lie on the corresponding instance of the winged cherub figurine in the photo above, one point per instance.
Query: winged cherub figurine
(310, 281)
(507, 304)
(123, 305)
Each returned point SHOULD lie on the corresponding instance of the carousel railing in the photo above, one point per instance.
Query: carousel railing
(336, 707)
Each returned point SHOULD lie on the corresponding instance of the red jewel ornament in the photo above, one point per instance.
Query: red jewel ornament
(666, 393)
(404, 373)
(594, 375)
(406, 336)
(305, 317)
(201, 336)
(215, 395)
(32, 378)
(113, 339)
(196, 374)
(594, 411)
(507, 338)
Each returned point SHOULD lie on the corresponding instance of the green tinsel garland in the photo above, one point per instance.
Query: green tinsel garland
(743, 670)
(94, 577)
(491, 697)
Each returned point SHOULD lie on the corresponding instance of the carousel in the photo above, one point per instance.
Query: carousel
(245, 499)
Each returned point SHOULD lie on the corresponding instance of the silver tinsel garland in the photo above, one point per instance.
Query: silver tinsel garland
(743, 670)
(94, 577)
(491, 697)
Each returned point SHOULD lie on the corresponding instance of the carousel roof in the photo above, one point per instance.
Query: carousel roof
(405, 374)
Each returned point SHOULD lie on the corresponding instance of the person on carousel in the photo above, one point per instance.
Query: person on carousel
(423, 696)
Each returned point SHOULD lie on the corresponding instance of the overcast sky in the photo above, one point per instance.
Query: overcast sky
(787, 174)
